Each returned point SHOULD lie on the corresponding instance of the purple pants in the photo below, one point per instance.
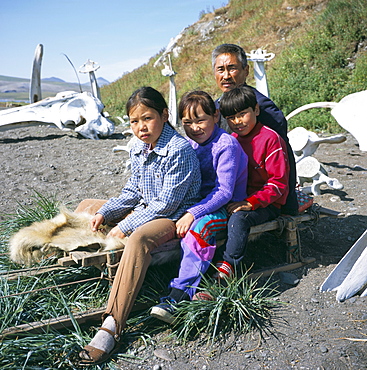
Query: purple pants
(198, 248)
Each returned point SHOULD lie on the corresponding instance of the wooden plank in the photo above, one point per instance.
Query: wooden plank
(85, 258)
(93, 259)
(63, 322)
(33, 271)
(282, 268)
(66, 261)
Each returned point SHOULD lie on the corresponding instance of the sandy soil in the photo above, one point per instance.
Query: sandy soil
(313, 326)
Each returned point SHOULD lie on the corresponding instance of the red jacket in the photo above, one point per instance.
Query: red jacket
(268, 167)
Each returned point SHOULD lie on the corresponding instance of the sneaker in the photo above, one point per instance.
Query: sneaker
(203, 296)
(224, 270)
(165, 310)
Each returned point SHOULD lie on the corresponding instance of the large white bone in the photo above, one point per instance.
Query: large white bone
(81, 112)
(259, 57)
(349, 113)
(35, 93)
(90, 67)
(126, 148)
(167, 71)
(305, 143)
(350, 275)
(309, 169)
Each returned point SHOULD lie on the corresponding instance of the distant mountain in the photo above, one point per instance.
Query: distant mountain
(52, 79)
(100, 81)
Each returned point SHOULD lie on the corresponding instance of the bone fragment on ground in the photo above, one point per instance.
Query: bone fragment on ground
(305, 143)
(309, 169)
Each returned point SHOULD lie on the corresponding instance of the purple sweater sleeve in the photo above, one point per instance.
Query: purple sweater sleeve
(225, 157)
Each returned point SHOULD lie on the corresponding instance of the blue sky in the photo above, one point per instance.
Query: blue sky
(119, 35)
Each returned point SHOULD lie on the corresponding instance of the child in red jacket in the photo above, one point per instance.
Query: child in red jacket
(268, 173)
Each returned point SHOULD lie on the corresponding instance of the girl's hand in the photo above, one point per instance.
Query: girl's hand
(96, 221)
(183, 224)
(239, 206)
(116, 232)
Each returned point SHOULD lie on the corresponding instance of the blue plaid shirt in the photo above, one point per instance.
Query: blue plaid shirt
(164, 183)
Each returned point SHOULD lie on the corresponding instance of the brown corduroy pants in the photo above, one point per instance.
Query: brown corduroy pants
(134, 262)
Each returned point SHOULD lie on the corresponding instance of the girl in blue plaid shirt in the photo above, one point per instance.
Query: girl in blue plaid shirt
(164, 183)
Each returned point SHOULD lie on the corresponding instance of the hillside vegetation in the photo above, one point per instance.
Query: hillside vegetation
(320, 48)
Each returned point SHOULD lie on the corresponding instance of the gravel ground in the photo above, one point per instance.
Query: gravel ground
(310, 332)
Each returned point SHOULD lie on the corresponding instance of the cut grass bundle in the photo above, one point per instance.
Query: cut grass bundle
(244, 304)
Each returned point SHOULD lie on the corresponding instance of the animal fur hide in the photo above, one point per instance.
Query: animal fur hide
(67, 231)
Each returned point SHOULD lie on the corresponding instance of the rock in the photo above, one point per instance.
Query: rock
(164, 354)
(288, 278)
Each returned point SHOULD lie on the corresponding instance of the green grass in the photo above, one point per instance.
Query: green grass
(239, 307)
(242, 306)
(318, 58)
(41, 207)
(317, 67)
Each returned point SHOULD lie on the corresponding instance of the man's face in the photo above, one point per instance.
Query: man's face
(228, 72)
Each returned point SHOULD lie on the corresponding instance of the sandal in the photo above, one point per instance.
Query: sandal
(98, 356)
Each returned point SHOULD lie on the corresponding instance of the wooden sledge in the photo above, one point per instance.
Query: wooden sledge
(285, 226)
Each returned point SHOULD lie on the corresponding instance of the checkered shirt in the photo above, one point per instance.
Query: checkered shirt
(164, 183)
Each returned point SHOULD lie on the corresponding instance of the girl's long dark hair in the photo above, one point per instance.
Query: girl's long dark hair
(149, 97)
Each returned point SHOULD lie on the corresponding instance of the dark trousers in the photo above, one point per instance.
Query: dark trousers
(239, 225)
(291, 205)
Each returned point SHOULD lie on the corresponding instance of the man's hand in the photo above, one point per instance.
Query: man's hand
(183, 224)
(96, 221)
(239, 206)
(116, 232)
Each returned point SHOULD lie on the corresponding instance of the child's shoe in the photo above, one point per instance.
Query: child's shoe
(165, 310)
(203, 296)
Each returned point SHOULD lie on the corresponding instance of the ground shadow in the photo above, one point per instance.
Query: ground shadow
(31, 138)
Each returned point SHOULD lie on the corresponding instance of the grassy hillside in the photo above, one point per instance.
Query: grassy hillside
(320, 47)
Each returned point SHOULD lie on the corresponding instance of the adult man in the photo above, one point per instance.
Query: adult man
(230, 68)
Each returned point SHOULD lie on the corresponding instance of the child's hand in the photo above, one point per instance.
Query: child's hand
(96, 221)
(116, 232)
(183, 224)
(239, 206)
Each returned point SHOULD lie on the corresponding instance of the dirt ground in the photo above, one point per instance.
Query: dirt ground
(313, 328)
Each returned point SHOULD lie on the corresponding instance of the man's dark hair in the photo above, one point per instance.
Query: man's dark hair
(230, 49)
(237, 100)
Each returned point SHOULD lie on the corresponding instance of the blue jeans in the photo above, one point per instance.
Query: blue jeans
(239, 225)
